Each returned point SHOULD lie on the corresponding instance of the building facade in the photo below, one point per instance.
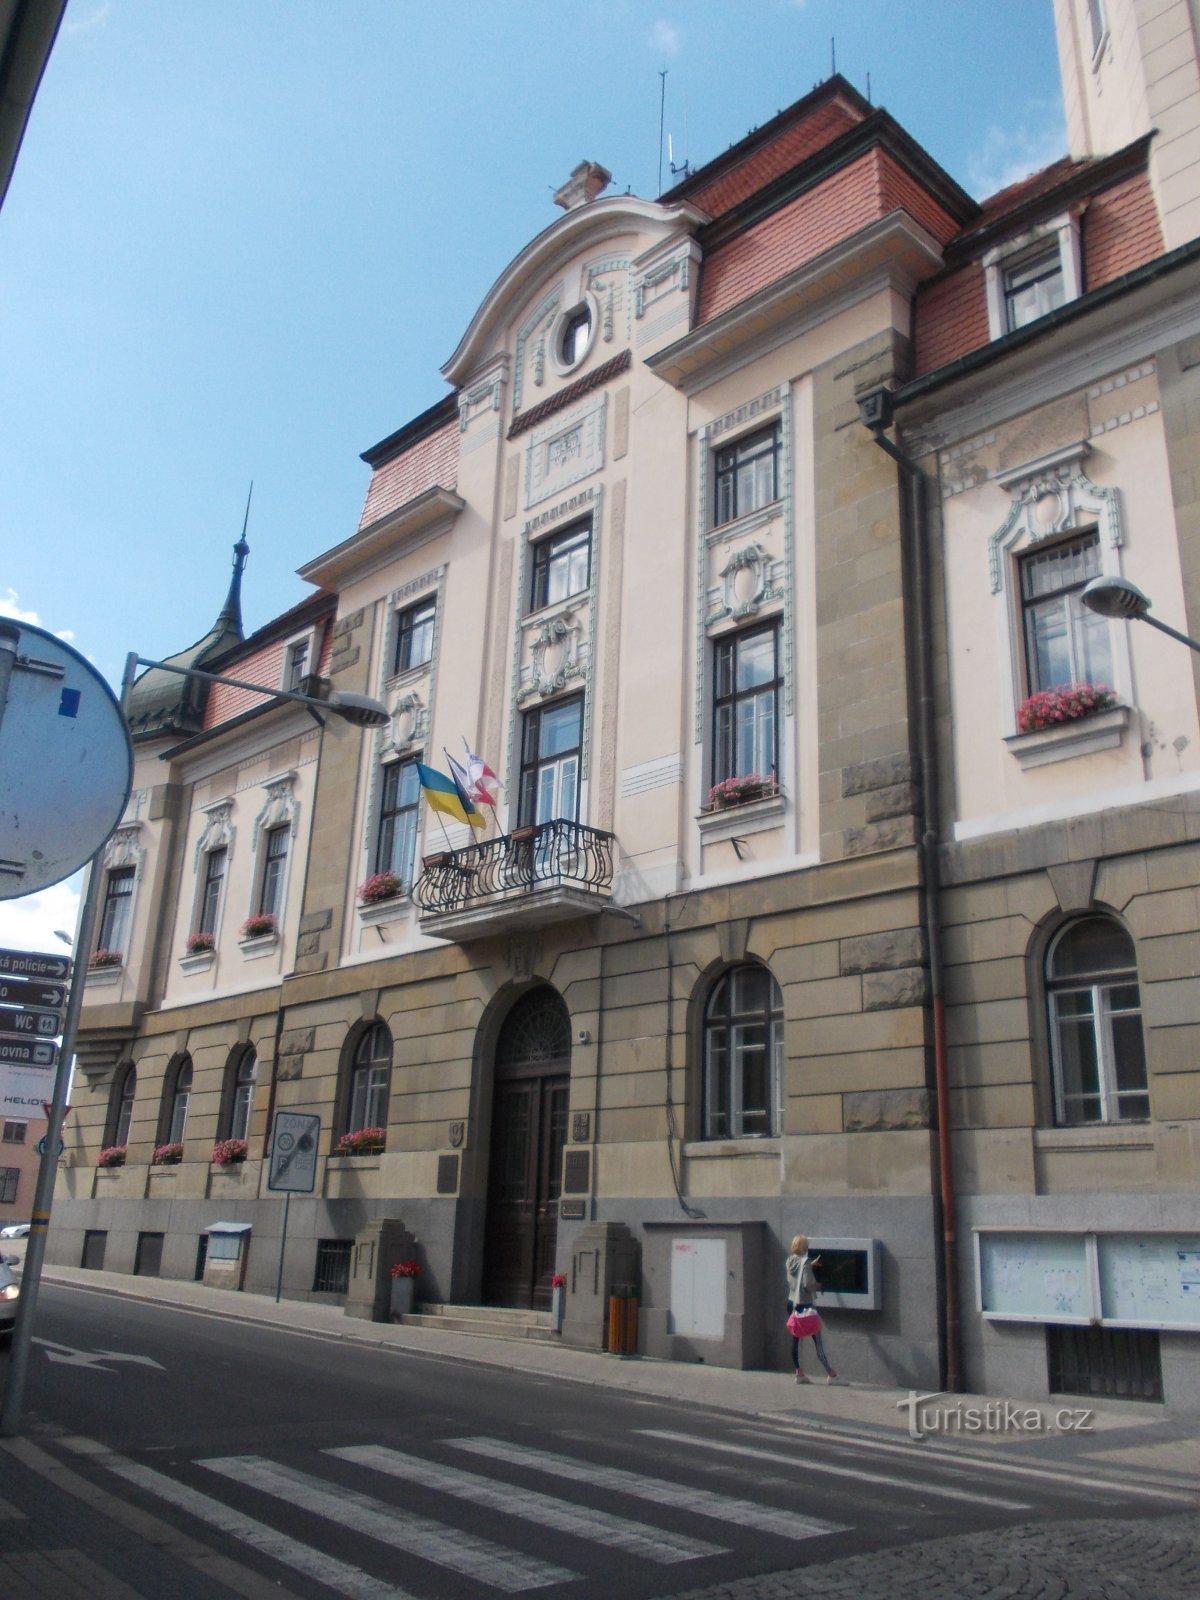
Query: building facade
(786, 916)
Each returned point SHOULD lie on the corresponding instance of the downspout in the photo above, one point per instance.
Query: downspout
(875, 411)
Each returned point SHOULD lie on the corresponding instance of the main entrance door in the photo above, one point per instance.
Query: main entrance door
(529, 1129)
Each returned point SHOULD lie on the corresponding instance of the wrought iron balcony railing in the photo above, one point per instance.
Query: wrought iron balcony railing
(567, 862)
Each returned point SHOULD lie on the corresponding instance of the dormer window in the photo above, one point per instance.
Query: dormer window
(1033, 274)
(1033, 286)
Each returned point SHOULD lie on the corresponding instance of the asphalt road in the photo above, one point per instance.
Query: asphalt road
(334, 1468)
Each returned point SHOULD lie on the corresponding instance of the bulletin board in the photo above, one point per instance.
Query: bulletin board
(1036, 1277)
(1150, 1280)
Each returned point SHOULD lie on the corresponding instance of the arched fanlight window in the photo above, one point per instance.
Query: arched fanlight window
(743, 1055)
(370, 1075)
(241, 1101)
(180, 1096)
(1095, 1010)
(123, 1113)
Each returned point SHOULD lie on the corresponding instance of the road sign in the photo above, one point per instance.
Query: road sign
(31, 992)
(66, 763)
(31, 1024)
(294, 1152)
(19, 1052)
(34, 964)
(40, 1146)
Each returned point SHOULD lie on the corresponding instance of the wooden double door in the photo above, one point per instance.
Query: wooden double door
(529, 1129)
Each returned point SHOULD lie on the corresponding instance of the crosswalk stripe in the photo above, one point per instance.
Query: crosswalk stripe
(446, 1547)
(615, 1533)
(337, 1575)
(728, 1508)
(809, 1465)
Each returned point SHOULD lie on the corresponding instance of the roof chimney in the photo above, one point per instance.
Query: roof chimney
(588, 180)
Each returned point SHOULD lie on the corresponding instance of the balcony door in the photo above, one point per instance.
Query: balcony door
(529, 1129)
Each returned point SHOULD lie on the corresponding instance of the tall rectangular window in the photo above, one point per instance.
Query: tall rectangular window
(747, 475)
(414, 636)
(561, 566)
(1064, 641)
(14, 1132)
(114, 914)
(746, 705)
(550, 758)
(210, 899)
(275, 853)
(1033, 286)
(9, 1178)
(296, 669)
(399, 812)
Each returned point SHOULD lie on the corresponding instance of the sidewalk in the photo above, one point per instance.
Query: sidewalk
(60, 1541)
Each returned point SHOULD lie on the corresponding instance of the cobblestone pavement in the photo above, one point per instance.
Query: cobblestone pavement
(1143, 1558)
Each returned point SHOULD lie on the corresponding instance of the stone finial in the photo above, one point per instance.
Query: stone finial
(588, 180)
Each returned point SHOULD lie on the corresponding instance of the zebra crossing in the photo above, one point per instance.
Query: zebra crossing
(367, 1492)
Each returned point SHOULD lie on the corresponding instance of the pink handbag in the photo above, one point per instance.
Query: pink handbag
(803, 1323)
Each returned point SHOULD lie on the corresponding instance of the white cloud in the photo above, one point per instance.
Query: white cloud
(1011, 153)
(666, 38)
(29, 923)
(10, 606)
(76, 24)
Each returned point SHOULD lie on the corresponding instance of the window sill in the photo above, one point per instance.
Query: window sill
(197, 963)
(752, 816)
(260, 945)
(1096, 1136)
(1103, 731)
(385, 910)
(747, 522)
(103, 977)
(354, 1163)
(766, 1144)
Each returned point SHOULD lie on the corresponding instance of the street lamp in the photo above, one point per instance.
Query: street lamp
(1117, 597)
(357, 709)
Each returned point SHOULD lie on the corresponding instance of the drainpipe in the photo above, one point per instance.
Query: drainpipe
(875, 412)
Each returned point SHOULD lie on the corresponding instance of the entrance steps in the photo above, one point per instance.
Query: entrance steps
(487, 1322)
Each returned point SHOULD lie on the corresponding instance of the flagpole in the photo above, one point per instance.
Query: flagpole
(491, 804)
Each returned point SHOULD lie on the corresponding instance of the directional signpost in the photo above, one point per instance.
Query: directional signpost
(31, 1019)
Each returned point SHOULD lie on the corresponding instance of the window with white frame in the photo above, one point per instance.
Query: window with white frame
(1064, 642)
(743, 1055)
(1029, 276)
(746, 693)
(114, 912)
(746, 475)
(1097, 1047)
(122, 1107)
(561, 566)
(551, 751)
(241, 1097)
(180, 1094)
(399, 820)
(1097, 23)
(274, 868)
(296, 664)
(414, 636)
(215, 863)
(370, 1078)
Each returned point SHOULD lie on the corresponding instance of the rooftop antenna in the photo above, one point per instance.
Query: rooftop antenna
(675, 170)
(869, 100)
(833, 58)
(662, 106)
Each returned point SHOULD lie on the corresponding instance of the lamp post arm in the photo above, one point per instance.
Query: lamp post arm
(310, 701)
(1172, 633)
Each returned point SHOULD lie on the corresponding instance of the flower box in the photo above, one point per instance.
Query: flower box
(112, 1156)
(201, 944)
(101, 959)
(167, 1155)
(740, 791)
(260, 927)
(362, 1142)
(229, 1152)
(1066, 702)
(379, 886)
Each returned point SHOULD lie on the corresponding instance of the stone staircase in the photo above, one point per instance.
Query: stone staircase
(488, 1322)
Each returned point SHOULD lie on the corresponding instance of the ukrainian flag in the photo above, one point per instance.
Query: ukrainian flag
(444, 794)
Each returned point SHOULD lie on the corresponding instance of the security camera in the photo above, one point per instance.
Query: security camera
(583, 1036)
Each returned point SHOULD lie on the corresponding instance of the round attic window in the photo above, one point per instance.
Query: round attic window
(574, 335)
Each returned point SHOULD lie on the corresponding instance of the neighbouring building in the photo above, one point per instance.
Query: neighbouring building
(747, 548)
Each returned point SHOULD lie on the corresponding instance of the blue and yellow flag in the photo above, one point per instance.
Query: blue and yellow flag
(444, 794)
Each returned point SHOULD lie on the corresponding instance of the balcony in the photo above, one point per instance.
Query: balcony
(553, 872)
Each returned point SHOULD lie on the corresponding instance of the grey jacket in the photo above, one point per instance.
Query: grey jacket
(801, 1281)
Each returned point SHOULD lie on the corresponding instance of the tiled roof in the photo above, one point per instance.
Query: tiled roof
(433, 460)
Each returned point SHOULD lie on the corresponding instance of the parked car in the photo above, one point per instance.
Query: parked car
(10, 1293)
(15, 1230)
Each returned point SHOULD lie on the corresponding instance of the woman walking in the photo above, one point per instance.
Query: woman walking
(801, 1287)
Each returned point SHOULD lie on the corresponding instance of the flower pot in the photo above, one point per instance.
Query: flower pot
(403, 1294)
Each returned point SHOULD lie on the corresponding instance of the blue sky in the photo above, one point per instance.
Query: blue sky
(244, 235)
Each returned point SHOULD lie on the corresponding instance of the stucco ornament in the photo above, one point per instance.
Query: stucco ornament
(1049, 496)
(554, 656)
(410, 721)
